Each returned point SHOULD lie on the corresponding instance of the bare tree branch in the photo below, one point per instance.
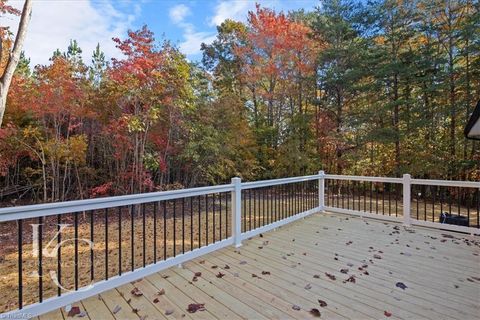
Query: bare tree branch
(14, 57)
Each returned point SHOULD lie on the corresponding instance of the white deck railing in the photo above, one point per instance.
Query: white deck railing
(275, 203)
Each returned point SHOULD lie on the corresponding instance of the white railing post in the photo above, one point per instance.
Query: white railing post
(237, 211)
(321, 190)
(407, 183)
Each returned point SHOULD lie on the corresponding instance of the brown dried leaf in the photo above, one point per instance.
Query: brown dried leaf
(161, 292)
(265, 272)
(136, 292)
(155, 300)
(330, 276)
(322, 303)
(198, 274)
(296, 308)
(315, 312)
(194, 307)
(214, 267)
(220, 275)
(344, 271)
(387, 314)
(316, 276)
(377, 256)
(226, 267)
(308, 286)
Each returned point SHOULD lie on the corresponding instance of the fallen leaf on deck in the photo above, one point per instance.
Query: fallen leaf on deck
(214, 267)
(198, 274)
(73, 311)
(168, 312)
(315, 312)
(401, 285)
(136, 292)
(135, 310)
(330, 276)
(387, 314)
(316, 276)
(220, 275)
(344, 271)
(82, 314)
(308, 286)
(295, 307)
(376, 256)
(164, 276)
(226, 267)
(265, 272)
(194, 279)
(161, 292)
(243, 262)
(261, 235)
(260, 247)
(350, 279)
(194, 307)
(322, 303)
(116, 309)
(201, 261)
(350, 264)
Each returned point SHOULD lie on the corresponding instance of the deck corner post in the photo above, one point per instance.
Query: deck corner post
(237, 212)
(321, 190)
(407, 183)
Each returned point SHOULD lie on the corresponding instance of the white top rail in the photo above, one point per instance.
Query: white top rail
(47, 209)
(447, 183)
(274, 182)
(363, 178)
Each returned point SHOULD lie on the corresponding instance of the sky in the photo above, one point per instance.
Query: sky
(187, 24)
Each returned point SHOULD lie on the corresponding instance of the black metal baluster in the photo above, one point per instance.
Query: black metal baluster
(376, 199)
(364, 185)
(106, 243)
(155, 210)
(20, 264)
(75, 224)
(174, 227)
(434, 191)
(459, 199)
(441, 201)
(59, 255)
(249, 209)
(478, 208)
(469, 204)
(416, 196)
(40, 259)
(199, 200)
(92, 274)
(449, 201)
(390, 199)
(371, 196)
(396, 200)
(213, 213)
(183, 225)
(120, 241)
(206, 219)
(342, 193)
(144, 252)
(383, 199)
(220, 220)
(226, 213)
(132, 233)
(191, 223)
(165, 230)
(262, 192)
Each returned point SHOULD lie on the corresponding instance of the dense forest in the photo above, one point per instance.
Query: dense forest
(367, 88)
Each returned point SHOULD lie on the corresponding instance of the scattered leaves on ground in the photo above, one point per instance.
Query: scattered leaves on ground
(156, 300)
(295, 307)
(161, 292)
(266, 273)
(344, 271)
(308, 286)
(387, 314)
(322, 303)
(220, 275)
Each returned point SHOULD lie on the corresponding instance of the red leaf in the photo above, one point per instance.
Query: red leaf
(136, 292)
(198, 274)
(330, 276)
(73, 311)
(387, 314)
(220, 275)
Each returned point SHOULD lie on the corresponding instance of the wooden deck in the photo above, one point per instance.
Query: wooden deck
(283, 274)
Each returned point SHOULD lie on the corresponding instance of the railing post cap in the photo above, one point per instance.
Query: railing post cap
(236, 179)
(407, 176)
(321, 173)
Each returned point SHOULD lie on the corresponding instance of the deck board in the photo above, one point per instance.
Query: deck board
(440, 273)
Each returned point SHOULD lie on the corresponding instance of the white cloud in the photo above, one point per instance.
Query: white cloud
(54, 23)
(192, 39)
(231, 9)
(178, 13)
